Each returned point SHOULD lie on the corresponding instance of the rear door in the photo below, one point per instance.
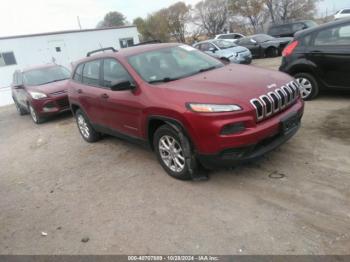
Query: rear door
(87, 88)
(330, 51)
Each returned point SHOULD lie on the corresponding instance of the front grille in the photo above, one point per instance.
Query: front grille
(275, 101)
(63, 102)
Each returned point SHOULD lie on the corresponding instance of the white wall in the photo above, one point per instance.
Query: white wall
(36, 50)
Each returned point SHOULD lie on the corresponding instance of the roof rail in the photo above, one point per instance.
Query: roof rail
(101, 50)
(149, 42)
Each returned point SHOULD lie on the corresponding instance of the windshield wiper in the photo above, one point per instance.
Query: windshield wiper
(163, 80)
(57, 80)
(207, 69)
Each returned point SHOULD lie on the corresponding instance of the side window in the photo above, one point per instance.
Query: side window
(333, 36)
(91, 73)
(78, 75)
(113, 71)
(206, 47)
(298, 27)
(346, 11)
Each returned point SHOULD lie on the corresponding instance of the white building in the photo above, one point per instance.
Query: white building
(64, 47)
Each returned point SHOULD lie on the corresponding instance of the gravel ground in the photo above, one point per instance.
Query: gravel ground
(115, 196)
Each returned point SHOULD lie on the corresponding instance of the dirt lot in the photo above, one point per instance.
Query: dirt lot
(117, 195)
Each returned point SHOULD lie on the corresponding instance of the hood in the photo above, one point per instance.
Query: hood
(51, 88)
(236, 49)
(231, 83)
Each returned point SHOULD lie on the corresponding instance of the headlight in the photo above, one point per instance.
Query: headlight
(37, 95)
(212, 108)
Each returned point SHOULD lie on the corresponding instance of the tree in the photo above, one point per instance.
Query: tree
(177, 17)
(112, 19)
(154, 27)
(281, 11)
(253, 10)
(212, 15)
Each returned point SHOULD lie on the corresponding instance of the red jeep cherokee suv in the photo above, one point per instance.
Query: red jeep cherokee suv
(189, 107)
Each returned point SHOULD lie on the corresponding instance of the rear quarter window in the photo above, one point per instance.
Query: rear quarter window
(78, 74)
(91, 73)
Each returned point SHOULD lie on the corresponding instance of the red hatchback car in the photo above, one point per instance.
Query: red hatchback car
(189, 107)
(41, 91)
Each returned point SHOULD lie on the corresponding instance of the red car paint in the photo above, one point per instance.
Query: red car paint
(56, 99)
(130, 112)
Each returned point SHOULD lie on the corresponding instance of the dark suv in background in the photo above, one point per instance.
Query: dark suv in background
(320, 58)
(289, 29)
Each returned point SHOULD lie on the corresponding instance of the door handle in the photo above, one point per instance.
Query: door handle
(104, 96)
(316, 52)
(79, 91)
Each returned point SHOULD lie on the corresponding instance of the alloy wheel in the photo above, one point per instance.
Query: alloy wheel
(33, 114)
(171, 153)
(305, 87)
(83, 127)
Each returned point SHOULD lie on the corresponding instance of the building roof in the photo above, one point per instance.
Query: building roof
(66, 32)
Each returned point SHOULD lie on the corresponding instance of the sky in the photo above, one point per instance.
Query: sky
(35, 16)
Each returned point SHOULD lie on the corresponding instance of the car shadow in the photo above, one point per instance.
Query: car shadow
(58, 118)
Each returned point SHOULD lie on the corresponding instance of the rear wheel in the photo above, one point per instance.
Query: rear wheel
(272, 52)
(309, 88)
(171, 154)
(85, 128)
(35, 116)
(21, 111)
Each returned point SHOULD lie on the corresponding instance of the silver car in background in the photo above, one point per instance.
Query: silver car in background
(225, 50)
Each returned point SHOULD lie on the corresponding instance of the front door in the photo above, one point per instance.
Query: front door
(123, 109)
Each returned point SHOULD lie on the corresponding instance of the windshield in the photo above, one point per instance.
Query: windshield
(37, 77)
(222, 44)
(310, 23)
(262, 38)
(167, 64)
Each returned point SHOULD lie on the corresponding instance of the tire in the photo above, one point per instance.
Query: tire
(21, 111)
(37, 119)
(171, 154)
(309, 87)
(271, 52)
(86, 130)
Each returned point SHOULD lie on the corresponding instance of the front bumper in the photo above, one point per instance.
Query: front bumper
(51, 105)
(234, 156)
(243, 58)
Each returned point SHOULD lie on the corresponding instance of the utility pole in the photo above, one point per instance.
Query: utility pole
(79, 24)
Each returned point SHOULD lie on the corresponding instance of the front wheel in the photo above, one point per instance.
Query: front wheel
(171, 154)
(271, 52)
(37, 119)
(85, 128)
(308, 85)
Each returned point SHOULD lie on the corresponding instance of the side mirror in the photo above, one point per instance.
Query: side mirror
(19, 86)
(122, 85)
